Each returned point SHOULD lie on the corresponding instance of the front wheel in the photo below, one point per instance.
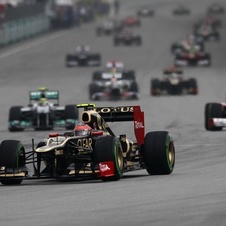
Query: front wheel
(193, 86)
(108, 149)
(159, 153)
(155, 87)
(12, 157)
(14, 115)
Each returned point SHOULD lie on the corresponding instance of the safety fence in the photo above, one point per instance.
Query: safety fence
(18, 30)
(20, 26)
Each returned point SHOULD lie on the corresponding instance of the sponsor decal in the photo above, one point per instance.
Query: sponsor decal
(117, 109)
(85, 143)
(106, 169)
(138, 125)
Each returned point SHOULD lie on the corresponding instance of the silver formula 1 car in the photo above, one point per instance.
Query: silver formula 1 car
(112, 85)
(42, 113)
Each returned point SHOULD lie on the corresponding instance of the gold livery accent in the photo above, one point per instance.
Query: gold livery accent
(73, 172)
(85, 143)
(21, 174)
(59, 152)
(2, 168)
(116, 109)
(92, 118)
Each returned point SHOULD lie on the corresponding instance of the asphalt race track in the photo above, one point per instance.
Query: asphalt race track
(194, 194)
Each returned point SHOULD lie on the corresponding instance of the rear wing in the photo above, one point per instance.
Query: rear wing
(121, 114)
(116, 114)
(50, 95)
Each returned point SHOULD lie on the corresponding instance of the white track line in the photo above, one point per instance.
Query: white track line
(195, 145)
(30, 45)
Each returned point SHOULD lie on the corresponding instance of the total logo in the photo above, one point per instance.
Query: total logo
(104, 167)
(138, 125)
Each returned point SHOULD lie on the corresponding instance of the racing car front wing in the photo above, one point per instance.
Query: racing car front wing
(217, 122)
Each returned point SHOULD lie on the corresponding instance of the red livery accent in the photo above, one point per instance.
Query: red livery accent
(53, 134)
(138, 124)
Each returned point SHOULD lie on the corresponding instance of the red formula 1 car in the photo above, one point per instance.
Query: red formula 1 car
(131, 21)
(127, 38)
(91, 150)
(192, 57)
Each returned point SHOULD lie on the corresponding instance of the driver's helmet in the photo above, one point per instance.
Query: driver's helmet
(82, 129)
(43, 101)
(114, 82)
(115, 64)
(84, 48)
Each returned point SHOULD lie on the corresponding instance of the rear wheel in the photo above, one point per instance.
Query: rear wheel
(159, 153)
(134, 87)
(116, 42)
(68, 58)
(97, 57)
(208, 58)
(97, 75)
(212, 110)
(155, 86)
(108, 149)
(12, 156)
(193, 86)
(139, 41)
(129, 75)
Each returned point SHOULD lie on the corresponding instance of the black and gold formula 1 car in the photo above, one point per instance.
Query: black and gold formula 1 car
(173, 83)
(99, 153)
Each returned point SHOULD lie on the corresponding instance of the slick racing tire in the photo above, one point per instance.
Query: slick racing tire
(139, 41)
(108, 149)
(15, 115)
(97, 75)
(68, 58)
(129, 75)
(159, 153)
(12, 155)
(97, 57)
(134, 87)
(117, 42)
(212, 110)
(155, 86)
(94, 88)
(193, 86)
(71, 112)
(208, 57)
